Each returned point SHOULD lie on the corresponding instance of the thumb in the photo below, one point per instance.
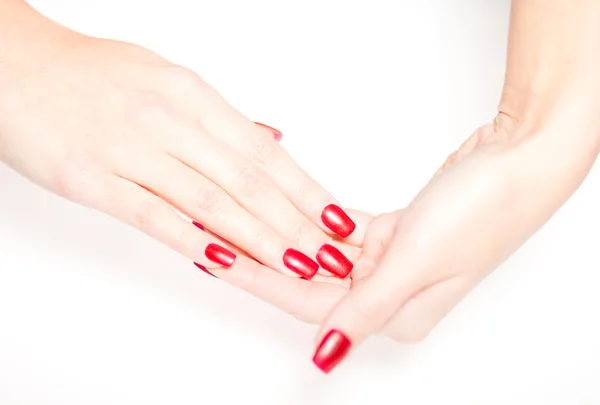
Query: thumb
(368, 308)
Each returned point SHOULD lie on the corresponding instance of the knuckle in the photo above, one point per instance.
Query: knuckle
(187, 239)
(254, 272)
(148, 215)
(148, 106)
(306, 192)
(257, 239)
(182, 79)
(251, 180)
(303, 190)
(210, 199)
(262, 151)
(410, 335)
(305, 238)
(71, 180)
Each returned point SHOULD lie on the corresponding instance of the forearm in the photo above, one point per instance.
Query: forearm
(27, 39)
(24, 33)
(553, 65)
(12, 13)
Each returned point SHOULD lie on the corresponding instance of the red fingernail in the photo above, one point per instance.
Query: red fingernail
(334, 261)
(276, 133)
(219, 254)
(299, 263)
(337, 220)
(199, 225)
(333, 348)
(201, 267)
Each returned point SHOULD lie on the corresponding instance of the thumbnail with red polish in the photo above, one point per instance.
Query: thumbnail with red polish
(337, 220)
(276, 133)
(201, 267)
(219, 254)
(334, 261)
(333, 348)
(300, 264)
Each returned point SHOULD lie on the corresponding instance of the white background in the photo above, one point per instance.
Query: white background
(93, 312)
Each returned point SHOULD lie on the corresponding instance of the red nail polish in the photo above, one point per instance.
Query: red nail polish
(201, 267)
(199, 225)
(333, 348)
(276, 133)
(337, 220)
(299, 263)
(219, 254)
(334, 261)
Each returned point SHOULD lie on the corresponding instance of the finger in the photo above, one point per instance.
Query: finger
(254, 142)
(202, 200)
(140, 208)
(376, 240)
(368, 307)
(345, 282)
(362, 220)
(305, 193)
(238, 252)
(258, 194)
(309, 301)
(420, 314)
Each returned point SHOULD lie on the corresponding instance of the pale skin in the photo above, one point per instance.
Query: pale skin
(122, 130)
(412, 266)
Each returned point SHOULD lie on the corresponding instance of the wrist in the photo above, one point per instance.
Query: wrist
(566, 110)
(552, 67)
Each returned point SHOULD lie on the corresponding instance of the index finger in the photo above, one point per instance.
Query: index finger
(258, 145)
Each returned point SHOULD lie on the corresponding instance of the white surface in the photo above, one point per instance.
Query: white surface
(92, 312)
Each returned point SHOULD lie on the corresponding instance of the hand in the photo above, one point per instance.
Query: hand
(490, 196)
(310, 301)
(117, 128)
(418, 263)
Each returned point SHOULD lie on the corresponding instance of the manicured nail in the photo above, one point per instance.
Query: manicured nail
(333, 348)
(337, 220)
(334, 261)
(201, 267)
(219, 254)
(199, 225)
(276, 133)
(299, 263)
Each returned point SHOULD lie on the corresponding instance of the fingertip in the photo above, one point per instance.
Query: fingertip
(361, 221)
(332, 349)
(335, 218)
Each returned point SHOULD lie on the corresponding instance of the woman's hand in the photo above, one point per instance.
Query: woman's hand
(497, 190)
(117, 128)
(500, 186)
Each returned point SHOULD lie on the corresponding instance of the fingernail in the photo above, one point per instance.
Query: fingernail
(333, 348)
(199, 225)
(337, 220)
(276, 133)
(219, 254)
(201, 267)
(299, 263)
(334, 261)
